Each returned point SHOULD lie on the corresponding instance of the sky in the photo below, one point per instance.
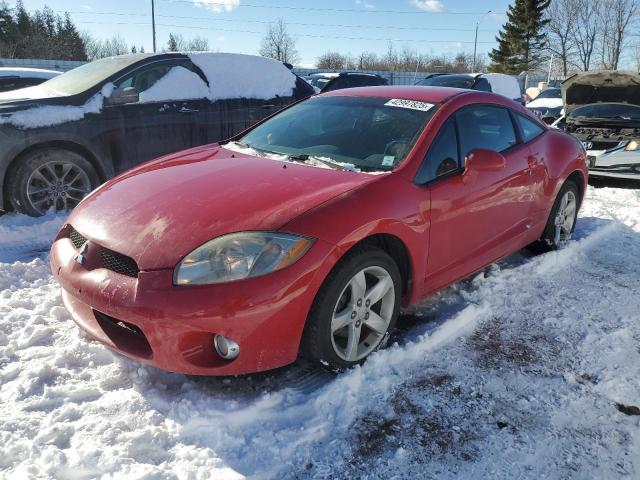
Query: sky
(347, 26)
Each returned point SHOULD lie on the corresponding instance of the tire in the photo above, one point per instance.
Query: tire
(555, 235)
(370, 320)
(50, 178)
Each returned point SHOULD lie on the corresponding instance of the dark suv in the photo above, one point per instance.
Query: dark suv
(62, 138)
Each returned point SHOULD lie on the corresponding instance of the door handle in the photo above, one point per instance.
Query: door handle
(187, 110)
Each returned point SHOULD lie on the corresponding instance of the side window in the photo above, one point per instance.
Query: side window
(528, 128)
(485, 127)
(128, 89)
(482, 85)
(442, 157)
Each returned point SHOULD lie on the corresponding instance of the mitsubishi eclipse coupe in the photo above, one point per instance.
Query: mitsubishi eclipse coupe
(307, 233)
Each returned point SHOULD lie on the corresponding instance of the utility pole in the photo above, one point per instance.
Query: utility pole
(475, 43)
(153, 24)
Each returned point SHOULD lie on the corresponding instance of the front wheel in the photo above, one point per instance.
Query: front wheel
(50, 179)
(562, 219)
(355, 309)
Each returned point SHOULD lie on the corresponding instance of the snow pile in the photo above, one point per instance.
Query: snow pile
(49, 115)
(524, 371)
(233, 75)
(178, 84)
(22, 236)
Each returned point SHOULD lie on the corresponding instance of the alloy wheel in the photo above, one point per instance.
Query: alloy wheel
(362, 314)
(58, 185)
(565, 217)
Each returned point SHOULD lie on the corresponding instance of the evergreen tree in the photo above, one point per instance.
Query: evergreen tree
(172, 45)
(521, 40)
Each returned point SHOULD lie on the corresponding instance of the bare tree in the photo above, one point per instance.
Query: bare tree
(617, 17)
(198, 44)
(562, 15)
(278, 44)
(110, 47)
(331, 60)
(586, 28)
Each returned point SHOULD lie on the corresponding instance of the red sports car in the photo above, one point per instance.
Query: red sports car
(307, 233)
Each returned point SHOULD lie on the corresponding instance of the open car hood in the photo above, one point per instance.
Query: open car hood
(602, 86)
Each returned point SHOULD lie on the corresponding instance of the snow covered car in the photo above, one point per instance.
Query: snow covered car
(14, 78)
(64, 137)
(499, 83)
(305, 235)
(547, 105)
(602, 110)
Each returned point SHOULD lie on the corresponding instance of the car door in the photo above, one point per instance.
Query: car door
(476, 217)
(531, 134)
(141, 121)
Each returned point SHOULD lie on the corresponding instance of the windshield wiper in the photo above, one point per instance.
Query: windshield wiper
(303, 157)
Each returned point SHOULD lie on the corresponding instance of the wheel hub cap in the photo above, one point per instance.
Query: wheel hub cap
(362, 314)
(58, 185)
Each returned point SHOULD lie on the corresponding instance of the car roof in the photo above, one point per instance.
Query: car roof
(404, 92)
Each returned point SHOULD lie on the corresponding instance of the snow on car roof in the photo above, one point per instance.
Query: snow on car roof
(27, 72)
(233, 75)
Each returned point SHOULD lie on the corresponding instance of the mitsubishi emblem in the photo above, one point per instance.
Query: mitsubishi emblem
(79, 258)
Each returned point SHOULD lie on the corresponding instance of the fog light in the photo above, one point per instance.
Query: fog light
(226, 348)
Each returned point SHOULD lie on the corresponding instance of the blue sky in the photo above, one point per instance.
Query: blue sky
(347, 26)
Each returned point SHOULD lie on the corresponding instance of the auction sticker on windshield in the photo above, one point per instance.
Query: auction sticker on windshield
(412, 104)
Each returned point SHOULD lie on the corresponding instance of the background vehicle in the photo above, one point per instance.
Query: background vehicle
(499, 83)
(304, 234)
(64, 137)
(602, 110)
(547, 105)
(14, 78)
(326, 82)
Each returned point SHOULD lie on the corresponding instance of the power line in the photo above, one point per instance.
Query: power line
(380, 27)
(297, 34)
(322, 9)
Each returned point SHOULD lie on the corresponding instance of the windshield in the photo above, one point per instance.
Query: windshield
(372, 134)
(84, 77)
(617, 111)
(550, 93)
(455, 81)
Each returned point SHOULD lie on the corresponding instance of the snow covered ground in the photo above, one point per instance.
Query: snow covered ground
(530, 370)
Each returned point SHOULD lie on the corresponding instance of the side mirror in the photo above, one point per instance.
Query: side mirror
(121, 96)
(483, 160)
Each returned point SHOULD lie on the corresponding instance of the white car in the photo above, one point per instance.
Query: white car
(499, 83)
(15, 78)
(548, 105)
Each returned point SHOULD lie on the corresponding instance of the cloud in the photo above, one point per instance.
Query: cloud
(88, 8)
(218, 6)
(429, 5)
(365, 4)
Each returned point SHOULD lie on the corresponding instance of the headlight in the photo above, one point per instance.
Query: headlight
(240, 255)
(632, 146)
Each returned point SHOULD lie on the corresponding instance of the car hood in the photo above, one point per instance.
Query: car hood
(604, 86)
(159, 212)
(24, 98)
(545, 103)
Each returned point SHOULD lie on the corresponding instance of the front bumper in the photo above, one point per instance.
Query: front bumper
(616, 163)
(149, 319)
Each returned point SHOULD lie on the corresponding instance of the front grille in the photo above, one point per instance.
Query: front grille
(76, 238)
(603, 145)
(114, 261)
(118, 263)
(125, 336)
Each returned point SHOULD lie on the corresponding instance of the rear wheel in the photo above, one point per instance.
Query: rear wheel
(355, 309)
(51, 178)
(562, 219)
